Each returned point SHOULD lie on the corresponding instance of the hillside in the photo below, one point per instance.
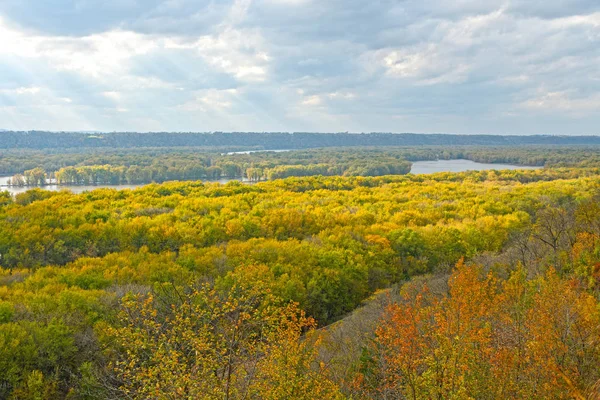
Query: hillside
(110, 293)
(269, 140)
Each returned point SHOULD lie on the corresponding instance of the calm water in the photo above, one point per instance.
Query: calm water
(430, 167)
(419, 167)
(77, 188)
(231, 153)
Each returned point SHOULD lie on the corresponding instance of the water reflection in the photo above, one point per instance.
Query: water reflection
(418, 167)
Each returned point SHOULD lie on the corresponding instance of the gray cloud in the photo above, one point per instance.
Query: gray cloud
(499, 66)
(74, 17)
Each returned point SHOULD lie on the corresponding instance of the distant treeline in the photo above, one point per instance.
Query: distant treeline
(270, 140)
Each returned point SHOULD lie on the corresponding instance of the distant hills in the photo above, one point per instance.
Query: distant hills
(269, 140)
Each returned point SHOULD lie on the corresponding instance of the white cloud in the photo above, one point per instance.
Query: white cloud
(236, 52)
(22, 91)
(564, 102)
(112, 95)
(211, 100)
(592, 20)
(429, 65)
(303, 64)
(342, 95)
(289, 2)
(314, 100)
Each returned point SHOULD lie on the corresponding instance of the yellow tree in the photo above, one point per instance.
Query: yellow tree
(210, 344)
(564, 340)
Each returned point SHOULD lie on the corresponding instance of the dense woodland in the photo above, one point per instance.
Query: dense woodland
(268, 140)
(146, 165)
(471, 285)
(155, 165)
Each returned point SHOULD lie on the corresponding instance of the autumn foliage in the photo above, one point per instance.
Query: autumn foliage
(488, 338)
(200, 290)
(244, 343)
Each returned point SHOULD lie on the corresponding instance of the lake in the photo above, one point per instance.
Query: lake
(430, 167)
(418, 167)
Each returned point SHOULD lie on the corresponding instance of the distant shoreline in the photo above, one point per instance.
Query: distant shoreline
(273, 140)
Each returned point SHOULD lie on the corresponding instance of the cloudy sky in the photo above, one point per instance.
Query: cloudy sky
(455, 66)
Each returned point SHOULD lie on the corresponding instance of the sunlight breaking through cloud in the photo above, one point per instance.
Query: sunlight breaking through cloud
(472, 67)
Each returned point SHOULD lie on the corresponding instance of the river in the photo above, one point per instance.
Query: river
(418, 167)
(81, 188)
(430, 167)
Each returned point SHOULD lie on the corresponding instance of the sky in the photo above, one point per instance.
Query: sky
(444, 66)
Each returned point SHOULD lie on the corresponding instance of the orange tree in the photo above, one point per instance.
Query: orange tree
(488, 338)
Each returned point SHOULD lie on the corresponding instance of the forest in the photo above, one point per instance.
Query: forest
(158, 165)
(270, 140)
(147, 165)
(451, 285)
(299, 200)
